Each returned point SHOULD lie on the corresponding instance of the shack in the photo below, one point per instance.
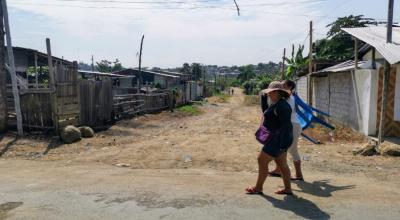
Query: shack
(44, 105)
(150, 78)
(352, 91)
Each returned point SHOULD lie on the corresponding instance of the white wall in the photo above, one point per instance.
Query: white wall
(367, 91)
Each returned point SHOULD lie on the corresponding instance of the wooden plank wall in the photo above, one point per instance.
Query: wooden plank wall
(133, 104)
(155, 102)
(392, 127)
(66, 78)
(96, 102)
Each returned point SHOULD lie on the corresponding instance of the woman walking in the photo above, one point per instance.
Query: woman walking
(277, 121)
(293, 149)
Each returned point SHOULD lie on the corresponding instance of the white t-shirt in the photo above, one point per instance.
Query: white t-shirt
(292, 104)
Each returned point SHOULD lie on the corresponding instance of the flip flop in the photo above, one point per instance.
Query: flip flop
(297, 178)
(283, 192)
(274, 174)
(253, 191)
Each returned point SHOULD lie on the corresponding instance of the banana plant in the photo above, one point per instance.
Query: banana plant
(296, 63)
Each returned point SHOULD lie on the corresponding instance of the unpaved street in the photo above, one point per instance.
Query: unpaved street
(174, 166)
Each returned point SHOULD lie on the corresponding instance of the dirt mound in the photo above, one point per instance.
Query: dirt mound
(251, 100)
(340, 134)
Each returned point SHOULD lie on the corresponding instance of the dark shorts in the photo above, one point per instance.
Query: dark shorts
(273, 149)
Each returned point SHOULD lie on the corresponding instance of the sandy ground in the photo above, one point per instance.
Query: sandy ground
(181, 167)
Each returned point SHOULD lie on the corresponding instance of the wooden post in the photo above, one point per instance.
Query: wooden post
(138, 86)
(52, 86)
(92, 64)
(373, 58)
(3, 79)
(386, 76)
(215, 81)
(356, 53)
(12, 69)
(204, 81)
(36, 71)
(283, 63)
(140, 63)
(310, 66)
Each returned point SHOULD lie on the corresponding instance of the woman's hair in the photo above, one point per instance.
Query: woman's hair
(283, 94)
(290, 84)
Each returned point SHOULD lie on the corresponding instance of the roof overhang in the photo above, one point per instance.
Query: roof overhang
(376, 37)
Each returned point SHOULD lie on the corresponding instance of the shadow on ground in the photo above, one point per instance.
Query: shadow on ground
(320, 188)
(299, 206)
(53, 144)
(7, 146)
(7, 207)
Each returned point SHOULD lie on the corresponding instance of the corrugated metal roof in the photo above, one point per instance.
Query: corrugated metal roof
(376, 37)
(147, 71)
(342, 67)
(103, 74)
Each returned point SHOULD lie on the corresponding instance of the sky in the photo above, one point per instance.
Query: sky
(178, 31)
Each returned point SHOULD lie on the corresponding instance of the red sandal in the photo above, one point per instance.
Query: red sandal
(283, 192)
(253, 191)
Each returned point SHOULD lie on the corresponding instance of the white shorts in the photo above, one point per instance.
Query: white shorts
(293, 149)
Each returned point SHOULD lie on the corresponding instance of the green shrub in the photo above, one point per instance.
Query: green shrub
(190, 109)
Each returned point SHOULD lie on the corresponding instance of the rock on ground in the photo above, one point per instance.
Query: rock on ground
(70, 134)
(86, 132)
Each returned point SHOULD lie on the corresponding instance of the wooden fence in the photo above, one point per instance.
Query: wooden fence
(96, 102)
(43, 105)
(67, 102)
(133, 104)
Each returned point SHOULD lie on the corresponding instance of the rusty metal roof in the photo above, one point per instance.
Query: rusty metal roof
(376, 37)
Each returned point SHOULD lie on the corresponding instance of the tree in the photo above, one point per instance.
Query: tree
(339, 45)
(296, 63)
(246, 73)
(106, 66)
(185, 69)
(196, 71)
(335, 28)
(84, 66)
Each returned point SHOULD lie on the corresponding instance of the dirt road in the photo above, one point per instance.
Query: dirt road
(187, 167)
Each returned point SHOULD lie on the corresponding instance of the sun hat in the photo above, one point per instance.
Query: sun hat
(274, 86)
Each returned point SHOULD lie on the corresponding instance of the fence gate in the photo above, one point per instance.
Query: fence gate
(96, 102)
(67, 103)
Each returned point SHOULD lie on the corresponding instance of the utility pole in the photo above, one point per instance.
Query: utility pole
(386, 75)
(310, 64)
(3, 79)
(53, 87)
(92, 64)
(204, 81)
(140, 64)
(283, 63)
(11, 68)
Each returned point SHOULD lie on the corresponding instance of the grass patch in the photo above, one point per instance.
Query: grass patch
(190, 109)
(250, 100)
(219, 98)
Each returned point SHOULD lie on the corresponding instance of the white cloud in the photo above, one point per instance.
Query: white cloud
(194, 33)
